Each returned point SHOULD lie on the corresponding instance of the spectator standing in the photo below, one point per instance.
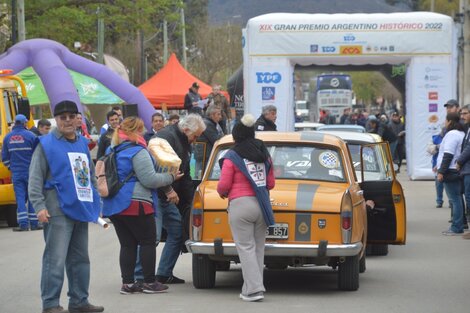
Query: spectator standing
(44, 126)
(83, 131)
(219, 100)
(180, 137)
(158, 122)
(18, 147)
(105, 140)
(212, 133)
(463, 163)
(116, 109)
(250, 210)
(132, 209)
(191, 100)
(62, 190)
(382, 129)
(267, 119)
(398, 128)
(434, 151)
(173, 119)
(449, 152)
(345, 117)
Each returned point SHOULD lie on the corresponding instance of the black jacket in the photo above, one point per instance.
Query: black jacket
(179, 142)
(104, 142)
(263, 124)
(188, 102)
(209, 136)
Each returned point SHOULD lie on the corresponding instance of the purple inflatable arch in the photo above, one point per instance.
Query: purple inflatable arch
(51, 60)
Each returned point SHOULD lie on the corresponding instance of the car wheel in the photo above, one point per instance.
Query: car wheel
(362, 263)
(12, 219)
(348, 273)
(222, 266)
(377, 249)
(203, 272)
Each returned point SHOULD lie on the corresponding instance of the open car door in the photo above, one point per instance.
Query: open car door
(386, 223)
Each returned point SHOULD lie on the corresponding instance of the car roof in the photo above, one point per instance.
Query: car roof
(354, 136)
(353, 128)
(307, 136)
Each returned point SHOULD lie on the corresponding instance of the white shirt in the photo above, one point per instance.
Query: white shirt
(451, 143)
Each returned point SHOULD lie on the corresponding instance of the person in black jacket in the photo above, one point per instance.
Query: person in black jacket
(105, 140)
(158, 122)
(381, 129)
(191, 100)
(180, 137)
(267, 119)
(212, 133)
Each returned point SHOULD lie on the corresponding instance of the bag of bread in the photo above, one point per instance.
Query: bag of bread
(167, 159)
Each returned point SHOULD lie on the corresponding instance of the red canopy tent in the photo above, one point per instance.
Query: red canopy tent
(171, 84)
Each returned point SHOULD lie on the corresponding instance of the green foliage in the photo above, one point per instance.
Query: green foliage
(448, 7)
(368, 85)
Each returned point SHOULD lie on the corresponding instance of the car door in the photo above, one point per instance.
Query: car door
(386, 222)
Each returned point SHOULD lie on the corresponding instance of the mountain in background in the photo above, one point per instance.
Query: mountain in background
(240, 11)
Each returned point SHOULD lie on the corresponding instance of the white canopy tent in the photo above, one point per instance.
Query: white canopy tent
(426, 42)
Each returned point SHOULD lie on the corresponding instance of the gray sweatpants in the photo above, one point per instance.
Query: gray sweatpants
(249, 233)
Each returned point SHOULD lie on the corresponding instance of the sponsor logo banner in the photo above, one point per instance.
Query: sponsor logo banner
(350, 50)
(268, 77)
(268, 93)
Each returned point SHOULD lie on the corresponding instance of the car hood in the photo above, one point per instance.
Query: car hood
(288, 195)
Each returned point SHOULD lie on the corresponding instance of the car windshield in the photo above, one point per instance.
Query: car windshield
(303, 162)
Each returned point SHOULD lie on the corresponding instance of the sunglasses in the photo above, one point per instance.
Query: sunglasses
(67, 116)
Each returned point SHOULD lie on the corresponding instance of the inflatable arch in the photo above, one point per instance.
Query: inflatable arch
(426, 42)
(51, 60)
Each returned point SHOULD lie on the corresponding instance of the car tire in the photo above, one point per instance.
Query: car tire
(377, 249)
(362, 263)
(222, 266)
(348, 274)
(12, 219)
(203, 272)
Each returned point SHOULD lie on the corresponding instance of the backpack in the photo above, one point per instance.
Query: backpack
(108, 182)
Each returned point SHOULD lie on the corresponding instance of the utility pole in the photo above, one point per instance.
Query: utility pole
(165, 42)
(21, 24)
(183, 25)
(432, 6)
(466, 52)
(14, 23)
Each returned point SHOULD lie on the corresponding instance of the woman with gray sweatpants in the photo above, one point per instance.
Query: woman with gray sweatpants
(246, 177)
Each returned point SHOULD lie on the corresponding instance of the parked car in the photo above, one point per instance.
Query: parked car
(304, 126)
(343, 127)
(318, 204)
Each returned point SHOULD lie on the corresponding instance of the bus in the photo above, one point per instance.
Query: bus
(11, 103)
(334, 93)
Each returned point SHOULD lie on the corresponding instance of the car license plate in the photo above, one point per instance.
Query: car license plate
(277, 231)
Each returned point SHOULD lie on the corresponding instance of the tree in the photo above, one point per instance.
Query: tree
(448, 7)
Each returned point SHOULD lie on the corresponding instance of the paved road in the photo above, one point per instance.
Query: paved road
(429, 274)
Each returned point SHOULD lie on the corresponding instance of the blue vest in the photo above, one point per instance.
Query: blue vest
(262, 193)
(122, 200)
(69, 163)
(19, 144)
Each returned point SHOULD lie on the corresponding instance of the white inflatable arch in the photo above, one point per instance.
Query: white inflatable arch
(426, 42)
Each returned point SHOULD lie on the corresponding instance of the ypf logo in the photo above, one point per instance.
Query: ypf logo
(350, 50)
(266, 77)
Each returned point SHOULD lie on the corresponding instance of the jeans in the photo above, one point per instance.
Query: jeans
(453, 191)
(439, 191)
(170, 218)
(66, 246)
(26, 215)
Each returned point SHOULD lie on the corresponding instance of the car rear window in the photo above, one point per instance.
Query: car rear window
(298, 162)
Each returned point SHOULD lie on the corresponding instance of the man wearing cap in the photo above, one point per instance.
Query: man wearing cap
(18, 147)
(191, 100)
(62, 190)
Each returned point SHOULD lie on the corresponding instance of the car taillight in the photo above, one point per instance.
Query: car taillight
(346, 217)
(197, 217)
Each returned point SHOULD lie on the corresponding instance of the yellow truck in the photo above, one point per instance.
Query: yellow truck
(12, 102)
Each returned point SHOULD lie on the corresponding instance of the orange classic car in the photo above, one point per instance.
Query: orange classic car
(318, 203)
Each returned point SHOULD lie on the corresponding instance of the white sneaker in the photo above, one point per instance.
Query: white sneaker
(257, 296)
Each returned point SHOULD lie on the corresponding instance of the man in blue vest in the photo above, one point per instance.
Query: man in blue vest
(18, 147)
(62, 191)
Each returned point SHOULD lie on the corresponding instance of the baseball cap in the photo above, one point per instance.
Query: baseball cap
(65, 106)
(451, 102)
(20, 118)
(195, 85)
